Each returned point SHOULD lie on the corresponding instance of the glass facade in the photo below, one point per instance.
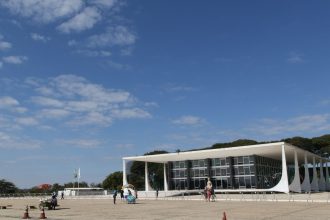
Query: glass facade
(243, 172)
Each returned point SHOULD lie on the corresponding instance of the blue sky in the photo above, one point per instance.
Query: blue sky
(84, 83)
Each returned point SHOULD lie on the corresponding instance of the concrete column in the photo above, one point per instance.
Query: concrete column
(327, 182)
(283, 185)
(321, 180)
(165, 179)
(295, 186)
(124, 173)
(315, 181)
(146, 174)
(306, 185)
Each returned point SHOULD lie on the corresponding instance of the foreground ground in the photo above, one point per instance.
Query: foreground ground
(168, 209)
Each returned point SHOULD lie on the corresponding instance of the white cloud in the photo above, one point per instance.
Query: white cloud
(38, 37)
(94, 53)
(104, 3)
(151, 104)
(295, 58)
(54, 113)
(130, 113)
(11, 104)
(27, 121)
(114, 36)
(86, 103)
(92, 118)
(46, 101)
(317, 122)
(4, 45)
(8, 141)
(82, 21)
(118, 66)
(170, 87)
(126, 51)
(83, 143)
(72, 43)
(7, 102)
(125, 146)
(188, 120)
(14, 59)
(42, 11)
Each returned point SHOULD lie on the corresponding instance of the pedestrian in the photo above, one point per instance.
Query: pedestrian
(121, 194)
(62, 195)
(114, 196)
(157, 193)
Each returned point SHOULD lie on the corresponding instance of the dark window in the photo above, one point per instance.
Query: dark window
(246, 160)
(247, 170)
(240, 160)
(241, 170)
(223, 162)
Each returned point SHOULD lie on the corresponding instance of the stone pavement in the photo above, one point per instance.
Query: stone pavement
(103, 208)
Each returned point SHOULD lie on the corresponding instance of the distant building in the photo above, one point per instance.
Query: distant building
(274, 167)
(84, 191)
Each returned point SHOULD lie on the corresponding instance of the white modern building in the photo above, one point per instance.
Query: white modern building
(273, 167)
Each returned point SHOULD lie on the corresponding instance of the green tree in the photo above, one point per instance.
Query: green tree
(113, 181)
(304, 143)
(56, 187)
(7, 187)
(239, 142)
(75, 184)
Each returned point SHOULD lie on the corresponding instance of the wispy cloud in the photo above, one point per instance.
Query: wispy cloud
(130, 113)
(8, 141)
(295, 57)
(43, 11)
(94, 53)
(82, 21)
(83, 102)
(104, 3)
(114, 36)
(27, 121)
(8, 101)
(189, 120)
(11, 104)
(317, 122)
(82, 143)
(4, 45)
(171, 87)
(15, 59)
(38, 37)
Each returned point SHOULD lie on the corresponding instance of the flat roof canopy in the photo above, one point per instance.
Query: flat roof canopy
(270, 150)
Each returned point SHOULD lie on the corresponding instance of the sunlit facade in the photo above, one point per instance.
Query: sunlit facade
(276, 167)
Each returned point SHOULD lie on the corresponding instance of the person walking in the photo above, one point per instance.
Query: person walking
(114, 196)
(121, 194)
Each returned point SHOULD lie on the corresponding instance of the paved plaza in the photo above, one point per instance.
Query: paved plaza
(103, 208)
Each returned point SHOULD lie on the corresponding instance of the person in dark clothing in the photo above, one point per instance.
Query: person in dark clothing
(114, 196)
(121, 194)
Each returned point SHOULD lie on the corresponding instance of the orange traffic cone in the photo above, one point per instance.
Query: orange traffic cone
(224, 217)
(42, 215)
(26, 213)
